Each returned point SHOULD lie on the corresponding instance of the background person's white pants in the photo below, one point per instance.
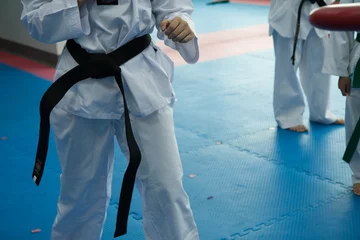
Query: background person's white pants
(86, 153)
(288, 100)
(352, 115)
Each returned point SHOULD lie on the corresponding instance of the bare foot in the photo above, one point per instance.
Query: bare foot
(356, 189)
(339, 122)
(298, 128)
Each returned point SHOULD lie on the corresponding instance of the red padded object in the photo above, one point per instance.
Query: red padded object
(337, 17)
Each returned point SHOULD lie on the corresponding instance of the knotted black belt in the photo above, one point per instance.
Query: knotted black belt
(94, 66)
(321, 3)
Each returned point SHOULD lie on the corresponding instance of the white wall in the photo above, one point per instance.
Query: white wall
(12, 29)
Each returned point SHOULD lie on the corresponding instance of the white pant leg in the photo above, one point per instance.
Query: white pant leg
(288, 100)
(86, 152)
(316, 85)
(166, 207)
(352, 115)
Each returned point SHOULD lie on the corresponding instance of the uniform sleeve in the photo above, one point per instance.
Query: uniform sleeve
(169, 9)
(338, 52)
(54, 21)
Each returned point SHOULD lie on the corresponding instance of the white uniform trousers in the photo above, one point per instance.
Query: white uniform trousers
(352, 115)
(86, 153)
(288, 100)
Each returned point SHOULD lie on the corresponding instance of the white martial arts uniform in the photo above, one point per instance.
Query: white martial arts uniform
(288, 99)
(91, 113)
(343, 58)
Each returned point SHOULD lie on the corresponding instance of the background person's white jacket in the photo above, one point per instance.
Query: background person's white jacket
(283, 17)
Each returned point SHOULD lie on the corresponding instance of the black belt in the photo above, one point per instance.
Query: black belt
(352, 144)
(321, 3)
(94, 66)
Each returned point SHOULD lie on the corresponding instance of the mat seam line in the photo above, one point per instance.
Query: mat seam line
(273, 161)
(283, 217)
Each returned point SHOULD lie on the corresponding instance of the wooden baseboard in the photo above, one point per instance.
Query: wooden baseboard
(40, 56)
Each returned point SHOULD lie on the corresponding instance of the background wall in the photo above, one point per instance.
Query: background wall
(12, 29)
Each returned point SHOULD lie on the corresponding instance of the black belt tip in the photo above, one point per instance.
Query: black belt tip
(36, 180)
(119, 234)
(217, 2)
(292, 61)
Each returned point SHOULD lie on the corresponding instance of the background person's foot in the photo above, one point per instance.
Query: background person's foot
(339, 122)
(356, 189)
(298, 128)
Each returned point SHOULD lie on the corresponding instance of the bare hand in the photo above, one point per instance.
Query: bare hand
(345, 85)
(177, 30)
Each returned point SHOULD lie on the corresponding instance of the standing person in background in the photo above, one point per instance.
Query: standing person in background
(344, 63)
(308, 57)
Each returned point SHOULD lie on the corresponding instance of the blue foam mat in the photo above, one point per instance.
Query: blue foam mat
(303, 152)
(265, 183)
(234, 172)
(315, 222)
(239, 181)
(227, 16)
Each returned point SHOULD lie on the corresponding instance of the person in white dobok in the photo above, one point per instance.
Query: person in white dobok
(343, 59)
(288, 100)
(92, 112)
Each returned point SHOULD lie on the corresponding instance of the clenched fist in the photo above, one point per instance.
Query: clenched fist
(177, 30)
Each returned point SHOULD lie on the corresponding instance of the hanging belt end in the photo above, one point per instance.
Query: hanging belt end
(353, 144)
(347, 160)
(36, 180)
(348, 155)
(292, 60)
(119, 233)
(121, 225)
(37, 172)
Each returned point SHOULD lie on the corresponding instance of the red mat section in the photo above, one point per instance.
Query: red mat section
(27, 65)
